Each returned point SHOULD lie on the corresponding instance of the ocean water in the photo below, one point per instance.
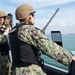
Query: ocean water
(68, 41)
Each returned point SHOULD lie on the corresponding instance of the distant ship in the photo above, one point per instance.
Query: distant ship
(71, 33)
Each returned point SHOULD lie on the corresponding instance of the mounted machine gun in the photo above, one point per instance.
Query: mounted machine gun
(45, 27)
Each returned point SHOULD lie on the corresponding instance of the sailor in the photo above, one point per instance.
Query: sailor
(4, 47)
(31, 39)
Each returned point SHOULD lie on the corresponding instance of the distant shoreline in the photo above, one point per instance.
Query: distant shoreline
(71, 33)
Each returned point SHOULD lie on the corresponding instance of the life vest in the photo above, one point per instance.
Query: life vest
(4, 47)
(23, 54)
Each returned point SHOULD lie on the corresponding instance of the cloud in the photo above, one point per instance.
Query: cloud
(44, 11)
(42, 2)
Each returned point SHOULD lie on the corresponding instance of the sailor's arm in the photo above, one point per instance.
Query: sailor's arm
(38, 39)
(7, 24)
(3, 37)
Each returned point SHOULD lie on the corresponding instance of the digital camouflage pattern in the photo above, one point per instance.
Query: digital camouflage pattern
(4, 65)
(3, 38)
(34, 36)
(30, 70)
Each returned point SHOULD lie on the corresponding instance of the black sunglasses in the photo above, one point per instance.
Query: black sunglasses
(32, 14)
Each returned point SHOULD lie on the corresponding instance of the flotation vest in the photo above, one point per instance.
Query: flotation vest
(4, 47)
(23, 54)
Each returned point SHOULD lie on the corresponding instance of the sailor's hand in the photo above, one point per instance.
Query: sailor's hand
(73, 58)
(7, 23)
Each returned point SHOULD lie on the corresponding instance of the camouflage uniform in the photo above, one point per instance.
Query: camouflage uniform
(34, 36)
(4, 47)
(4, 59)
(30, 70)
(3, 38)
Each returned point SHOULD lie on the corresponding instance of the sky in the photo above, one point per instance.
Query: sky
(63, 21)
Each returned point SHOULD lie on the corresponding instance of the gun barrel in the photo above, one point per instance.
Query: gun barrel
(49, 21)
